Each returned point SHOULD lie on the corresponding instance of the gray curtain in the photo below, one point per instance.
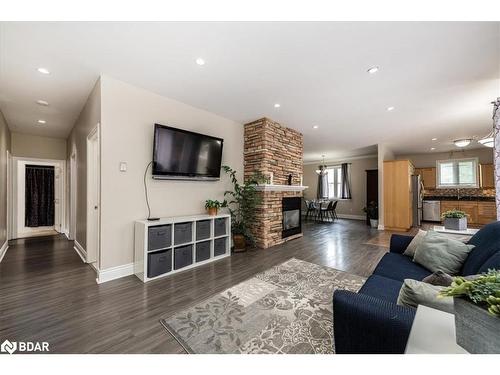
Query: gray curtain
(322, 184)
(346, 181)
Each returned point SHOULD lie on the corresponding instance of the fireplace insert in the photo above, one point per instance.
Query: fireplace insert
(292, 218)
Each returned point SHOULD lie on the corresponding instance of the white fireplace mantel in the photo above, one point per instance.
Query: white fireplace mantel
(269, 187)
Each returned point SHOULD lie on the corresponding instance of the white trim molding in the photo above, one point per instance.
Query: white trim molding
(268, 187)
(340, 160)
(80, 251)
(3, 249)
(114, 273)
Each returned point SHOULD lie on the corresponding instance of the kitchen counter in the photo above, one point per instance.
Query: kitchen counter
(455, 198)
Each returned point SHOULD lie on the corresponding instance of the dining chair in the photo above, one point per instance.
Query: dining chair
(310, 208)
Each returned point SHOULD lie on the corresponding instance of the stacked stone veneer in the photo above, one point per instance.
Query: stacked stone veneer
(271, 147)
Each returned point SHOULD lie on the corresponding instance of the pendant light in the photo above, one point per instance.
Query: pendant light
(322, 168)
(488, 140)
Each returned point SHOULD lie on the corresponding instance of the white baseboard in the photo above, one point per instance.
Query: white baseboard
(3, 250)
(82, 253)
(353, 217)
(115, 273)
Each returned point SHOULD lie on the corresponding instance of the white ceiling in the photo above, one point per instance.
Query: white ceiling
(440, 77)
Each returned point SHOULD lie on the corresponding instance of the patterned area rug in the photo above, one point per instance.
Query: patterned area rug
(286, 309)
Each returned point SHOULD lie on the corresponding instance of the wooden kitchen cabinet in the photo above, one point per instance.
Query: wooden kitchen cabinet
(428, 177)
(471, 209)
(398, 210)
(448, 206)
(486, 212)
(487, 176)
(479, 212)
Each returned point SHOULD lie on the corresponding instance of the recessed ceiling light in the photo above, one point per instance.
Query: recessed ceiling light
(42, 102)
(277, 105)
(43, 71)
(389, 109)
(315, 127)
(373, 70)
(434, 139)
(433, 148)
(200, 61)
(42, 121)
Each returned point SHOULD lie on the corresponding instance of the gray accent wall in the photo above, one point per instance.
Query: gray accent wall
(35, 146)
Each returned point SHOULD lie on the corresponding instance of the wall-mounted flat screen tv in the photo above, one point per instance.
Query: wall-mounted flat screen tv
(180, 154)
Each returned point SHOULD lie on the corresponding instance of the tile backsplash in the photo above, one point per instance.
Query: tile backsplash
(463, 192)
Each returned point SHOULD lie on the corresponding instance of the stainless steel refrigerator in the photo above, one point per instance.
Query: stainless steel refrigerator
(418, 195)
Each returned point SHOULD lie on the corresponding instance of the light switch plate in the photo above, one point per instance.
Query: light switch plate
(123, 166)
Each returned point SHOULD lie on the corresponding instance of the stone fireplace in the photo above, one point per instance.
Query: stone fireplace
(276, 152)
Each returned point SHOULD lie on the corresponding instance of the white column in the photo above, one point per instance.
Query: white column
(496, 153)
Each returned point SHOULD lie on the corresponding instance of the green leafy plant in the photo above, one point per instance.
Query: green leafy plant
(243, 202)
(453, 214)
(372, 210)
(209, 203)
(484, 290)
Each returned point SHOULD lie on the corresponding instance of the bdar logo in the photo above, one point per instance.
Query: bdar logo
(8, 347)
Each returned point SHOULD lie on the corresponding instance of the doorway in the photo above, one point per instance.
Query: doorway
(38, 192)
(371, 189)
(73, 194)
(93, 196)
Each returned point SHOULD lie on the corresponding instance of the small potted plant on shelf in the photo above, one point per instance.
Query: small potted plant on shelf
(454, 220)
(212, 206)
(477, 311)
(372, 212)
(243, 202)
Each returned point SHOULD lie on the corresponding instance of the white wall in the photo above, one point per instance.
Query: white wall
(359, 166)
(34, 146)
(384, 153)
(128, 116)
(4, 147)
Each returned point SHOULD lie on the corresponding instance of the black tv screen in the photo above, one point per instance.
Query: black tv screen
(181, 154)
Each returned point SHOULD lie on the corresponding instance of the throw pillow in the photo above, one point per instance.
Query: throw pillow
(440, 253)
(438, 278)
(414, 293)
(410, 250)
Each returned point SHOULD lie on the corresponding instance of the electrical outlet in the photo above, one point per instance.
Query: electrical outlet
(123, 166)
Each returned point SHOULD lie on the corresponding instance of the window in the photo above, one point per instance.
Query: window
(457, 173)
(334, 182)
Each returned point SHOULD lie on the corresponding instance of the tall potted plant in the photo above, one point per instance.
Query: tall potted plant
(242, 204)
(372, 212)
(477, 311)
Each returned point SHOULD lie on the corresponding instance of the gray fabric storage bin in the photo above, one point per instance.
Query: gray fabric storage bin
(220, 227)
(159, 237)
(159, 262)
(183, 256)
(183, 233)
(203, 229)
(220, 246)
(202, 251)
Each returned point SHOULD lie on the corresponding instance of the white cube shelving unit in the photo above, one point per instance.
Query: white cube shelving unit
(173, 244)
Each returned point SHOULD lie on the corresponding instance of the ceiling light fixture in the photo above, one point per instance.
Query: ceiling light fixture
(322, 168)
(42, 102)
(277, 105)
(315, 127)
(42, 121)
(390, 109)
(488, 140)
(462, 142)
(43, 71)
(373, 70)
(200, 61)
(434, 139)
(433, 148)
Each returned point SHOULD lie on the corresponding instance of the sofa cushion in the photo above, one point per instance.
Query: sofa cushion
(382, 288)
(493, 263)
(487, 243)
(400, 267)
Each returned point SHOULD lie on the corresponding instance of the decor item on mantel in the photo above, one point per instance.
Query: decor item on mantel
(289, 180)
(242, 206)
(477, 312)
(372, 212)
(455, 220)
(212, 206)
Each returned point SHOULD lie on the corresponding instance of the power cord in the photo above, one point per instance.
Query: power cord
(146, 194)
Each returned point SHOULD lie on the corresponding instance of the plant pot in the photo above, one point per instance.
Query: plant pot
(477, 331)
(212, 211)
(374, 223)
(239, 243)
(455, 223)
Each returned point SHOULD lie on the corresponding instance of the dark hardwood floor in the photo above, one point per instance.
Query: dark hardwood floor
(48, 294)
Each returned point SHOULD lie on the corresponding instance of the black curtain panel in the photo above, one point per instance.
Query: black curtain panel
(39, 196)
(346, 181)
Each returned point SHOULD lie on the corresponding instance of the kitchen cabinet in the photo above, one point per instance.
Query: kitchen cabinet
(487, 176)
(479, 212)
(398, 211)
(428, 177)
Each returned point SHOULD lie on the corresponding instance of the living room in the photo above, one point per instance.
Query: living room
(156, 199)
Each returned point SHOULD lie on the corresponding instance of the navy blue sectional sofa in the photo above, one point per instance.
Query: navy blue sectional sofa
(370, 321)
